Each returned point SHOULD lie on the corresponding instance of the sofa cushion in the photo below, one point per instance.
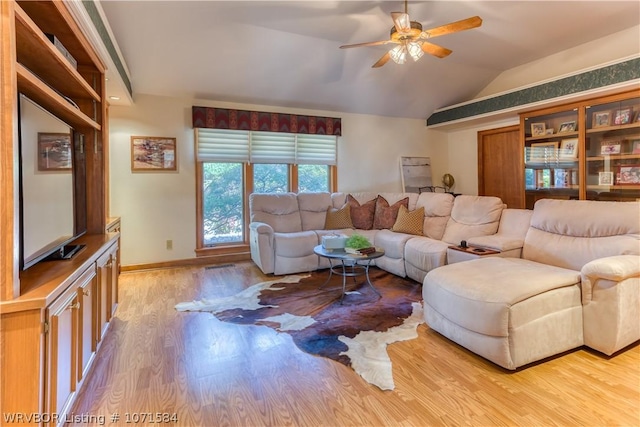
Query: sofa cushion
(385, 215)
(437, 210)
(313, 209)
(362, 214)
(337, 219)
(410, 222)
(473, 216)
(558, 236)
(280, 211)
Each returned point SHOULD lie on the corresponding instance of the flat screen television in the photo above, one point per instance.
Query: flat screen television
(51, 185)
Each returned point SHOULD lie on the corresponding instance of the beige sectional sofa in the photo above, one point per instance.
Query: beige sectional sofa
(284, 229)
(577, 282)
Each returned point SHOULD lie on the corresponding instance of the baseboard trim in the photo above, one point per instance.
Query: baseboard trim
(190, 262)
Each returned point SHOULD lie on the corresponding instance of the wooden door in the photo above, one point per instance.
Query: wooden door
(500, 165)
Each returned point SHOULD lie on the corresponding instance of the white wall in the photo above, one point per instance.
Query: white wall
(158, 206)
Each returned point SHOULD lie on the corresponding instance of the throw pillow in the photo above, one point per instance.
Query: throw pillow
(362, 214)
(409, 222)
(337, 219)
(385, 215)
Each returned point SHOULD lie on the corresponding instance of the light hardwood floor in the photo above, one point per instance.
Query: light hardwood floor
(211, 373)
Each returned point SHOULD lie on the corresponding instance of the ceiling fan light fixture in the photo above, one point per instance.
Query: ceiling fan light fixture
(399, 54)
(415, 50)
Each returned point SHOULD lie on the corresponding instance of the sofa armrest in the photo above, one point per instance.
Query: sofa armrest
(261, 228)
(497, 242)
(615, 268)
(261, 236)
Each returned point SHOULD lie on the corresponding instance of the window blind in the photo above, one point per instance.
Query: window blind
(223, 145)
(273, 147)
(316, 149)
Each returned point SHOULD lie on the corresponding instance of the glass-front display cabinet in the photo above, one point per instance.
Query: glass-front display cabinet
(613, 150)
(585, 150)
(551, 164)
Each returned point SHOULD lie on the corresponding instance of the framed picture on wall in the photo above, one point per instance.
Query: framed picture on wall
(153, 153)
(54, 151)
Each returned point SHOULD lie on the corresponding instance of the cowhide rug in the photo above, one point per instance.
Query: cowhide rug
(355, 333)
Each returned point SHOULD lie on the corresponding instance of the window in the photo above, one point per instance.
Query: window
(233, 164)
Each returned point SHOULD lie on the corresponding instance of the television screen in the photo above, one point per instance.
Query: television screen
(46, 183)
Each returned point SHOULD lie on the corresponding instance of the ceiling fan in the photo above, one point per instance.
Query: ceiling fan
(411, 40)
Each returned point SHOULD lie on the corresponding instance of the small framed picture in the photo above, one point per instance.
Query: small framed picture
(605, 178)
(568, 149)
(628, 174)
(542, 152)
(561, 177)
(601, 119)
(538, 129)
(54, 151)
(152, 153)
(610, 147)
(635, 146)
(622, 116)
(567, 127)
(548, 131)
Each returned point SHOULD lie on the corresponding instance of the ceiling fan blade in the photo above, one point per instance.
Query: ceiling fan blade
(385, 58)
(454, 27)
(401, 21)
(435, 50)
(347, 46)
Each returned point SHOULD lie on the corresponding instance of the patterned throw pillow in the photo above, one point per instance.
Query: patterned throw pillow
(337, 219)
(409, 222)
(362, 214)
(385, 215)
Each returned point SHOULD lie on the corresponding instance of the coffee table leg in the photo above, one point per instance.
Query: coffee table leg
(330, 274)
(366, 272)
(344, 280)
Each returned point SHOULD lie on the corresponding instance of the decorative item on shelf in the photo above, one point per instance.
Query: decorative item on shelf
(628, 175)
(542, 152)
(549, 131)
(635, 146)
(334, 241)
(610, 147)
(562, 177)
(605, 178)
(568, 149)
(62, 50)
(448, 181)
(538, 129)
(601, 119)
(567, 127)
(622, 116)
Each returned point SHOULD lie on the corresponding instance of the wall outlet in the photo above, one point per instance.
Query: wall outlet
(169, 244)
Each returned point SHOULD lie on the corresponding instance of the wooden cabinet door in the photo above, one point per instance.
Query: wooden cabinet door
(112, 291)
(102, 312)
(62, 318)
(500, 170)
(86, 329)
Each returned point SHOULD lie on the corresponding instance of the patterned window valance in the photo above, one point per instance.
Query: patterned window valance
(222, 118)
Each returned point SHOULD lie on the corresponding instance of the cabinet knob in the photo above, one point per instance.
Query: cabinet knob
(86, 292)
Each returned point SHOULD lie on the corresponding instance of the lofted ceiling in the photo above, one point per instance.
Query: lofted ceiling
(286, 53)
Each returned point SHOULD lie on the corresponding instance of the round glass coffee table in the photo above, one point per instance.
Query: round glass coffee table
(348, 265)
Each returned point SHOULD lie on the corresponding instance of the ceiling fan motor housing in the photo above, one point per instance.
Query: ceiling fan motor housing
(413, 33)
